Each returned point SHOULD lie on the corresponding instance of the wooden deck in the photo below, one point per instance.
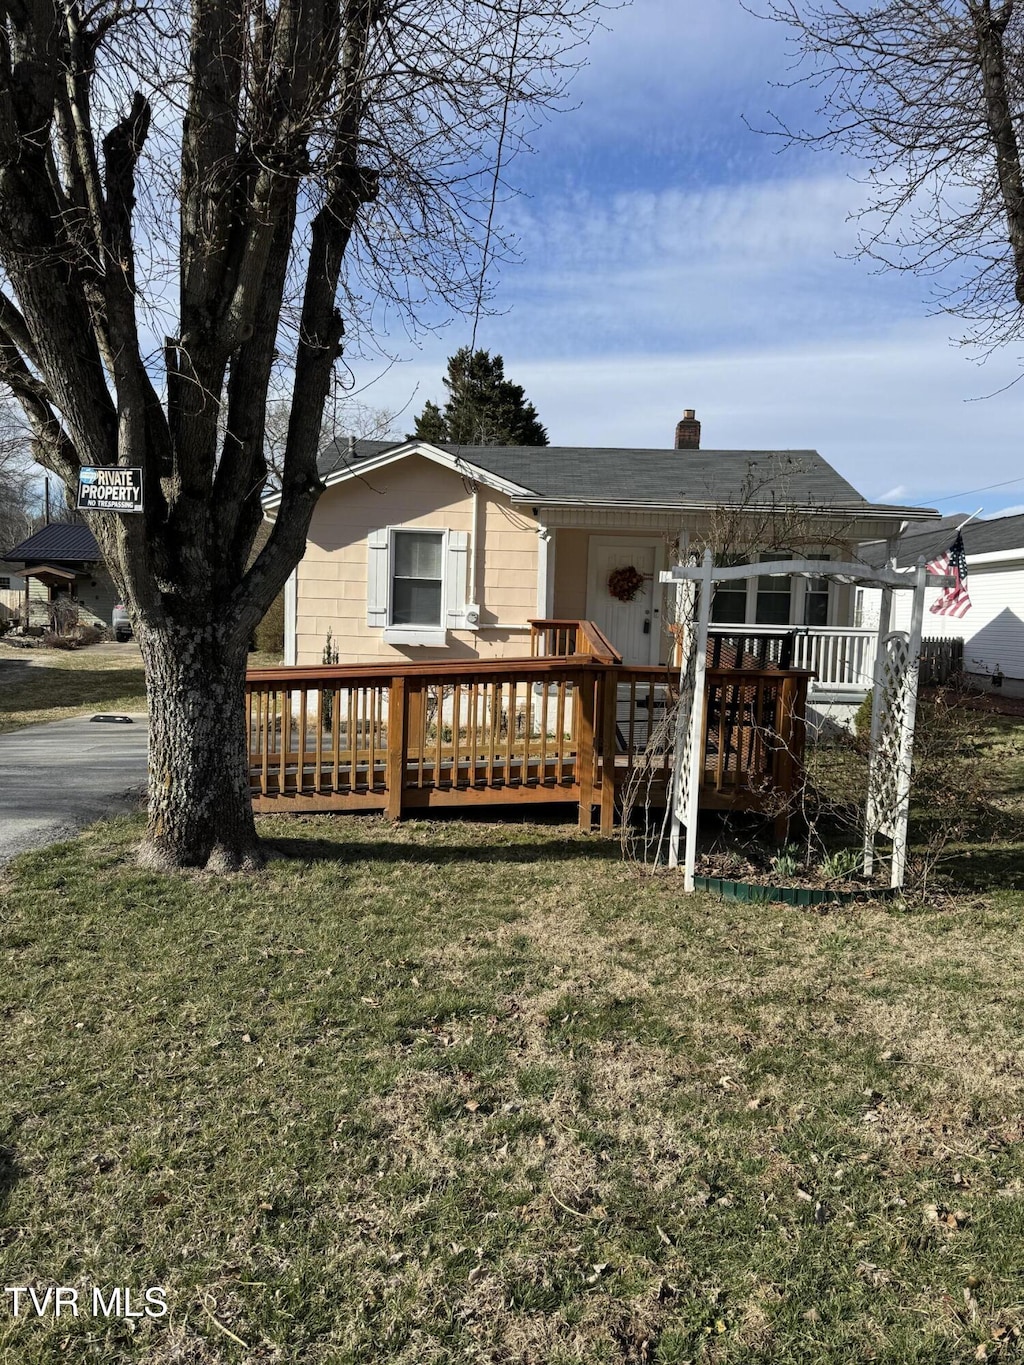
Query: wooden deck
(556, 727)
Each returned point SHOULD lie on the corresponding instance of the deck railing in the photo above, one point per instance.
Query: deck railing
(544, 729)
(554, 639)
(841, 658)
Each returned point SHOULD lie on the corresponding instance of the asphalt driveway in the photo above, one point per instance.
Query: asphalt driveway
(57, 777)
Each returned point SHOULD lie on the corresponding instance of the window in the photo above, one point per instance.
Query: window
(816, 599)
(729, 602)
(416, 584)
(773, 594)
(417, 578)
(5, 581)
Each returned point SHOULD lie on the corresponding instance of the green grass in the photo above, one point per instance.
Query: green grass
(466, 1092)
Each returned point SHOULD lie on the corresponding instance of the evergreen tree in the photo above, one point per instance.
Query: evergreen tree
(483, 407)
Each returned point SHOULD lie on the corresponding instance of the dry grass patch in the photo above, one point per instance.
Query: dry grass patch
(39, 685)
(460, 1092)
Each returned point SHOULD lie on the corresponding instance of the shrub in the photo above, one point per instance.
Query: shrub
(90, 635)
(51, 640)
(952, 781)
(862, 720)
(63, 615)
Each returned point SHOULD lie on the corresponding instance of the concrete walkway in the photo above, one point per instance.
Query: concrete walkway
(57, 777)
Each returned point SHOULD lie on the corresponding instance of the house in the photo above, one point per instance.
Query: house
(993, 629)
(436, 552)
(12, 593)
(63, 561)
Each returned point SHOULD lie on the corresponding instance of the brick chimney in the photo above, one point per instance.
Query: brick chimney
(688, 431)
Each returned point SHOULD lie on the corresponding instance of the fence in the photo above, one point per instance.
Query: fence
(941, 660)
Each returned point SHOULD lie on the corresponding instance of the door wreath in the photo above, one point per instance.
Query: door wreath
(625, 583)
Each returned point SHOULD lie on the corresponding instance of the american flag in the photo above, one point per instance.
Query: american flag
(955, 600)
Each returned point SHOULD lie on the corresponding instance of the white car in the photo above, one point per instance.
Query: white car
(121, 624)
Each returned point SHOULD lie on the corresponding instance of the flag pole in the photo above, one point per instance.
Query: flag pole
(966, 520)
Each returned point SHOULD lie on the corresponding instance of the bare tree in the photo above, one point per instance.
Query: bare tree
(930, 98)
(15, 480)
(187, 191)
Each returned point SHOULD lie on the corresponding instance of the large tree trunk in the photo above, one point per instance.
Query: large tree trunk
(200, 810)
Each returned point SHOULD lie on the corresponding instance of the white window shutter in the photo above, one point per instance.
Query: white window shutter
(455, 579)
(377, 584)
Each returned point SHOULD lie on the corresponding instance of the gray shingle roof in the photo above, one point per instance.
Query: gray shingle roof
(59, 543)
(659, 478)
(980, 538)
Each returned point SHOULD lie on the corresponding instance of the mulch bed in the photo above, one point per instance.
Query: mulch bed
(993, 703)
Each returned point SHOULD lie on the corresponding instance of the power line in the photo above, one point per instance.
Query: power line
(1007, 483)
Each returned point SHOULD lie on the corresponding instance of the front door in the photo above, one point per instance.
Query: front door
(632, 627)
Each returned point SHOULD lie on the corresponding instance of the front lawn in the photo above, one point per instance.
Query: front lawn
(465, 1092)
(53, 684)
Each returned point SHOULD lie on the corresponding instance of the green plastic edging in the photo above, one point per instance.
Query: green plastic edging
(754, 893)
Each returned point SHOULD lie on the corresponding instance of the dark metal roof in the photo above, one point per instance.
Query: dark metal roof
(657, 478)
(61, 542)
(980, 538)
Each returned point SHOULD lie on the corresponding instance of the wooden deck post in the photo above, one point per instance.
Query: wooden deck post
(609, 692)
(586, 756)
(396, 749)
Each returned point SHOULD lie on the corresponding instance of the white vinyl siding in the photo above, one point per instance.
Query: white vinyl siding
(993, 629)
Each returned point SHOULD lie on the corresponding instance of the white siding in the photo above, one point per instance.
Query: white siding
(993, 629)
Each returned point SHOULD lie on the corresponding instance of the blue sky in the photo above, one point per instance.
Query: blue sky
(671, 257)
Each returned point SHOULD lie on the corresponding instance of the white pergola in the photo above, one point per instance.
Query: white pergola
(893, 704)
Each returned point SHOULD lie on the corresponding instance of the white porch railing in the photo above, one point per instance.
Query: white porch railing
(843, 657)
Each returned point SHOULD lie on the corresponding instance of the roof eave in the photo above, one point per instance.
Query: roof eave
(457, 464)
(871, 511)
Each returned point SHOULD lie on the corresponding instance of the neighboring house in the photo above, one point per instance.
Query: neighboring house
(12, 592)
(63, 559)
(418, 552)
(993, 629)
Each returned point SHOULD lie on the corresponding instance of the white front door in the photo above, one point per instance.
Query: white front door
(632, 627)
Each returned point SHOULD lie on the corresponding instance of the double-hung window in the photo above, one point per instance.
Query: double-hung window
(773, 594)
(417, 578)
(729, 602)
(816, 598)
(416, 583)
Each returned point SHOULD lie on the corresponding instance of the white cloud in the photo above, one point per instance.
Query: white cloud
(662, 54)
(892, 405)
(735, 300)
(699, 270)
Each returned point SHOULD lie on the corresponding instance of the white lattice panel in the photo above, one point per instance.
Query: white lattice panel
(894, 695)
(684, 721)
